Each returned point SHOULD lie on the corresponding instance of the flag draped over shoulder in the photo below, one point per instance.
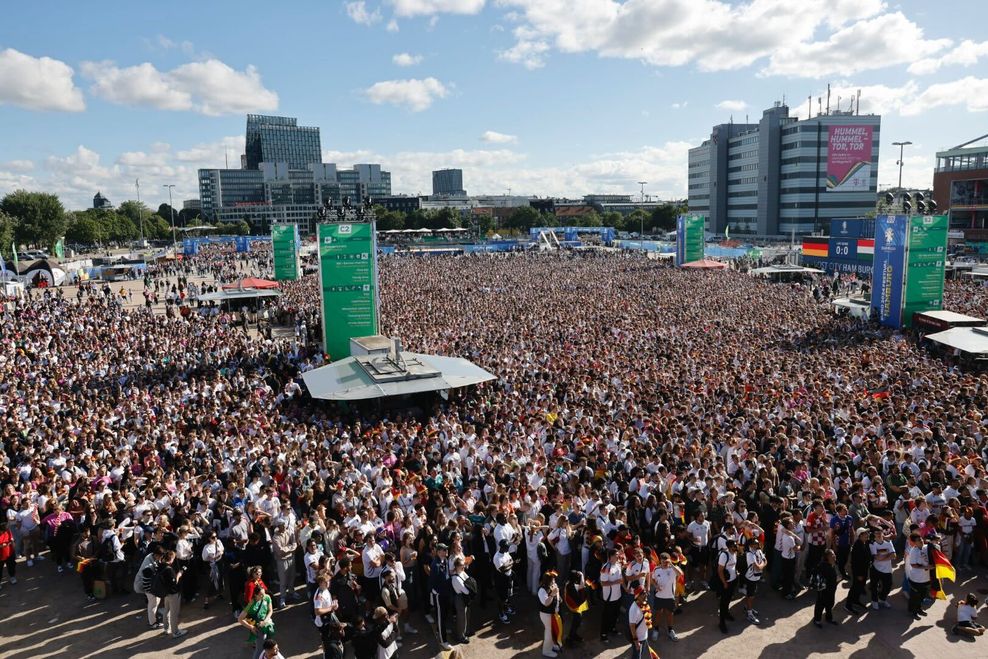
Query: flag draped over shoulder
(557, 629)
(575, 604)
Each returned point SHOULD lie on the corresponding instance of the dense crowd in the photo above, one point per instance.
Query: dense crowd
(651, 434)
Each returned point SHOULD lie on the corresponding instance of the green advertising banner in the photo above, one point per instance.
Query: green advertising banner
(284, 245)
(926, 257)
(348, 282)
(689, 238)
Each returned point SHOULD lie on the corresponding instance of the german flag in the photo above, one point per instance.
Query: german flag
(944, 569)
(574, 604)
(816, 247)
(557, 629)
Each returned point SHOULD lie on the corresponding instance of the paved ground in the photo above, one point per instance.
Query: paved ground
(46, 615)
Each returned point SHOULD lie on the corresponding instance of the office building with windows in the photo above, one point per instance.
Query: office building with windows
(448, 183)
(785, 175)
(281, 139)
(960, 186)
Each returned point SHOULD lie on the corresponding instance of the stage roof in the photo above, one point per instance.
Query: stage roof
(972, 340)
(376, 376)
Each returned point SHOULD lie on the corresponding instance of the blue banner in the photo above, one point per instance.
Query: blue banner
(889, 268)
(680, 242)
(243, 243)
(190, 247)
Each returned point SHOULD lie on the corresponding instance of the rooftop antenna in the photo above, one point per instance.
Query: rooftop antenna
(858, 110)
(828, 99)
(838, 103)
(819, 105)
(226, 154)
(809, 107)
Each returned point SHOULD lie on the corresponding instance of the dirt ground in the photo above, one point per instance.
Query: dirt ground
(46, 615)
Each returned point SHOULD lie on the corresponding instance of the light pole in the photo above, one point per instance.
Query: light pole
(172, 208)
(901, 146)
(140, 209)
(641, 235)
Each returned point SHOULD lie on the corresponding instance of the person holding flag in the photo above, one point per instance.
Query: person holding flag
(940, 568)
(918, 573)
(639, 622)
(552, 638)
(577, 600)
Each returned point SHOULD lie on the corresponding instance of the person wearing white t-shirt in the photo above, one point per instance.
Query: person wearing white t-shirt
(965, 531)
(918, 573)
(756, 561)
(883, 555)
(610, 592)
(789, 547)
(664, 578)
(533, 538)
(727, 563)
(699, 533)
(967, 611)
(638, 626)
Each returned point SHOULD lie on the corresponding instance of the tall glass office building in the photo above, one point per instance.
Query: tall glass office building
(281, 139)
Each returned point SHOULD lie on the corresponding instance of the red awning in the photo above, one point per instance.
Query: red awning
(252, 282)
(706, 264)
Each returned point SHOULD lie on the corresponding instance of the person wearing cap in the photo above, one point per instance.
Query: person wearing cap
(639, 622)
(439, 590)
(461, 601)
(860, 567)
(756, 563)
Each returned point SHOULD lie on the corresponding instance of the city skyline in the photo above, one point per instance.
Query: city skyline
(536, 96)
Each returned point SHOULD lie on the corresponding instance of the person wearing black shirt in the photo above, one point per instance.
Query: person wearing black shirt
(439, 592)
(860, 565)
(827, 569)
(344, 589)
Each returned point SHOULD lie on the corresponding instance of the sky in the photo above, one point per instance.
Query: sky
(542, 97)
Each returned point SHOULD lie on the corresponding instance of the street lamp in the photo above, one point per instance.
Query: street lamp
(172, 208)
(901, 145)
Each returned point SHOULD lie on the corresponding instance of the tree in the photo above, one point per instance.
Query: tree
(7, 224)
(40, 217)
(613, 219)
(388, 220)
(165, 211)
(637, 219)
(84, 229)
(664, 217)
(591, 219)
(523, 218)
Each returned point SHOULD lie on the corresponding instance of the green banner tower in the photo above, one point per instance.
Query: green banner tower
(348, 284)
(284, 245)
(926, 260)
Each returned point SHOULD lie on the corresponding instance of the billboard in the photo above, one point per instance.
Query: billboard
(242, 243)
(284, 246)
(925, 265)
(190, 247)
(348, 284)
(889, 268)
(689, 238)
(849, 158)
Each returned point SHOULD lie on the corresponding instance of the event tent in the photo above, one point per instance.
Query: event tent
(970, 340)
(252, 282)
(706, 264)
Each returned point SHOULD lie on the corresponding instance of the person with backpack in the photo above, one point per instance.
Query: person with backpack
(58, 528)
(726, 579)
(111, 557)
(256, 617)
(462, 597)
(755, 563)
(167, 585)
(143, 582)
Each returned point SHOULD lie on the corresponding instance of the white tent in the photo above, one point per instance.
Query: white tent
(972, 340)
(360, 378)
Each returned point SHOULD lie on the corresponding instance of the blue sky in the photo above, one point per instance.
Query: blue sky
(558, 97)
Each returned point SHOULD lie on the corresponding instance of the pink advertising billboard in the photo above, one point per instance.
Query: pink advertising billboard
(849, 159)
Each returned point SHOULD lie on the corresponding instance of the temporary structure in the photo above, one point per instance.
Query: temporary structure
(252, 282)
(706, 264)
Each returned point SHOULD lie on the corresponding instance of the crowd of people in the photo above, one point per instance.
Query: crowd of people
(652, 434)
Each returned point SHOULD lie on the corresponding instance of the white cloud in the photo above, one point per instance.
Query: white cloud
(358, 12)
(168, 44)
(409, 8)
(494, 137)
(392, 26)
(38, 83)
(680, 106)
(917, 169)
(210, 87)
(910, 100)
(733, 106)
(17, 165)
(215, 154)
(967, 53)
(798, 39)
(406, 59)
(416, 95)
(874, 43)
(495, 170)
